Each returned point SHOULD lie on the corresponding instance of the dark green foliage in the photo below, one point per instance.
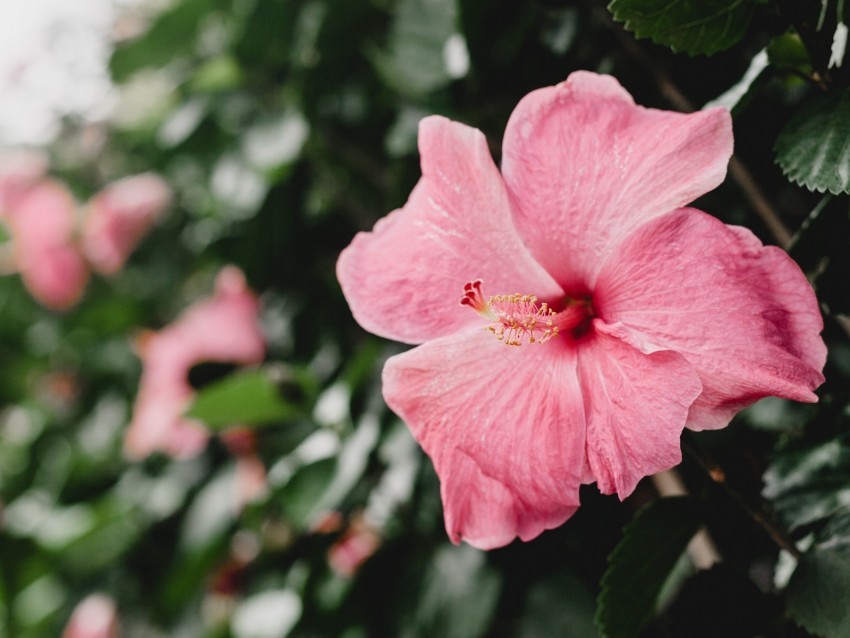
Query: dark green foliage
(814, 147)
(641, 563)
(687, 26)
(287, 126)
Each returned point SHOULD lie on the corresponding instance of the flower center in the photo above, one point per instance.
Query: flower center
(517, 318)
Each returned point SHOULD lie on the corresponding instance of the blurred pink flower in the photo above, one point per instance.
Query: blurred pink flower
(43, 217)
(41, 221)
(353, 548)
(224, 329)
(94, 617)
(119, 216)
(638, 317)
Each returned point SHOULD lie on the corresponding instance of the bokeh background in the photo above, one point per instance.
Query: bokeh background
(284, 127)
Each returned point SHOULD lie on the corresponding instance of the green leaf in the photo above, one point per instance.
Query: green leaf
(809, 485)
(301, 495)
(244, 398)
(686, 26)
(640, 564)
(172, 34)
(819, 589)
(787, 51)
(560, 605)
(813, 149)
(414, 62)
(459, 595)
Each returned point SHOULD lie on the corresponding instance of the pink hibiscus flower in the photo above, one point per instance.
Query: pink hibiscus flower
(42, 224)
(43, 219)
(118, 218)
(222, 329)
(634, 317)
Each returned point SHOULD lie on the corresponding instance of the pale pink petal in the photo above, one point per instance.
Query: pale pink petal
(94, 617)
(504, 427)
(118, 218)
(636, 406)
(42, 227)
(19, 171)
(403, 280)
(586, 166)
(742, 314)
(222, 329)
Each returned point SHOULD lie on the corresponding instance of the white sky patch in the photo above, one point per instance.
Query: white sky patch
(53, 62)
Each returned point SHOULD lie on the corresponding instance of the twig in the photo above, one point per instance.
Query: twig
(716, 473)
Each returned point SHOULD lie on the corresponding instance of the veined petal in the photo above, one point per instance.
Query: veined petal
(403, 280)
(636, 406)
(741, 313)
(586, 166)
(504, 427)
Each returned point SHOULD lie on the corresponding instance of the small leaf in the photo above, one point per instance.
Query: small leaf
(560, 605)
(686, 26)
(300, 497)
(819, 589)
(415, 62)
(813, 149)
(244, 398)
(787, 51)
(459, 594)
(806, 486)
(640, 564)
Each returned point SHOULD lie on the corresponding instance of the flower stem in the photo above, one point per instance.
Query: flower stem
(716, 474)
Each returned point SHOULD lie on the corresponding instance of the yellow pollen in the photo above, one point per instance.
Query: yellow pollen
(514, 319)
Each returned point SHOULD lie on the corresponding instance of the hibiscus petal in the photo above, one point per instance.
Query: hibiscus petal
(742, 314)
(586, 166)
(636, 406)
(403, 280)
(504, 427)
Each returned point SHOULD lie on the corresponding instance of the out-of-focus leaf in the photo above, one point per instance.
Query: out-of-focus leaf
(219, 74)
(245, 398)
(269, 614)
(640, 564)
(562, 606)
(686, 26)
(416, 60)
(459, 595)
(156, 48)
(819, 589)
(809, 485)
(304, 490)
(777, 415)
(788, 52)
(812, 148)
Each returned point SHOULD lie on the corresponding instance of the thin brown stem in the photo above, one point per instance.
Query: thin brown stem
(716, 474)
